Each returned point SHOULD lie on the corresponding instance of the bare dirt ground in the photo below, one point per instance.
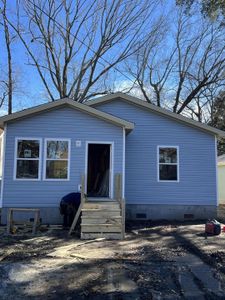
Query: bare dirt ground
(155, 261)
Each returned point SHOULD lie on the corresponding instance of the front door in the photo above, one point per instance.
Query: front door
(98, 170)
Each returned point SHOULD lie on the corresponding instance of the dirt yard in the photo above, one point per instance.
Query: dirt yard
(164, 261)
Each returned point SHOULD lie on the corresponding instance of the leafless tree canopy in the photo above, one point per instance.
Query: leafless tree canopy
(185, 68)
(74, 44)
(80, 47)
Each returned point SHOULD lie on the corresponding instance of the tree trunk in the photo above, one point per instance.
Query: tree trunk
(9, 61)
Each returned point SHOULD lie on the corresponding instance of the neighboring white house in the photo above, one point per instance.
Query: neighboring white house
(221, 178)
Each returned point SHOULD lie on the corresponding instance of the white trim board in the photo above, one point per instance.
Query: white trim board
(3, 163)
(111, 179)
(124, 163)
(216, 166)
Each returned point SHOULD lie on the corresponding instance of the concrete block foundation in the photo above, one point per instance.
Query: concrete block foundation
(51, 215)
(169, 212)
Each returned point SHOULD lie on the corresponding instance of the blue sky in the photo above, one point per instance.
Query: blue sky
(29, 88)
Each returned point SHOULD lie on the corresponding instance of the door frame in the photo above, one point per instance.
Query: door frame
(111, 165)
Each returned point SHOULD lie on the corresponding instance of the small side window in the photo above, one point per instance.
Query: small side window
(27, 159)
(168, 165)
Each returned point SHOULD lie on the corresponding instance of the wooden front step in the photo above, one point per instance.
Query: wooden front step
(113, 236)
(101, 219)
(95, 220)
(101, 228)
(99, 213)
(103, 205)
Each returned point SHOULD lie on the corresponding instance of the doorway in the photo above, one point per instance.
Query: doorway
(98, 170)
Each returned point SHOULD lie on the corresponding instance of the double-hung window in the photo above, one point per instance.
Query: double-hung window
(168, 163)
(27, 162)
(57, 155)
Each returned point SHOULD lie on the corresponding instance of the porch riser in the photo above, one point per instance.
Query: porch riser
(91, 220)
(100, 228)
(100, 214)
(101, 206)
(113, 236)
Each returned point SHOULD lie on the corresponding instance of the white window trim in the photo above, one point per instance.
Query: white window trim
(39, 159)
(45, 159)
(124, 162)
(111, 186)
(3, 164)
(177, 164)
(216, 165)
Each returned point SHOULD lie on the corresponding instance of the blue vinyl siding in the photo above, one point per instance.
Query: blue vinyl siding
(197, 184)
(58, 123)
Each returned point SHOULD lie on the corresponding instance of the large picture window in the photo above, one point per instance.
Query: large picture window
(168, 163)
(57, 153)
(27, 159)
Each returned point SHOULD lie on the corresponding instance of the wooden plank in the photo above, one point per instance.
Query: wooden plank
(119, 186)
(123, 212)
(75, 219)
(116, 220)
(109, 208)
(100, 214)
(111, 236)
(36, 221)
(101, 209)
(25, 209)
(101, 228)
(80, 207)
(9, 220)
(89, 205)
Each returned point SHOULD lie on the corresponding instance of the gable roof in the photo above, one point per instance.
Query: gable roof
(155, 109)
(62, 103)
(221, 160)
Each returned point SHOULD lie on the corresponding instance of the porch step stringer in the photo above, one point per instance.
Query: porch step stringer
(101, 219)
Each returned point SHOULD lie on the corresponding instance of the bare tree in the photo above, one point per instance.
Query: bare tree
(178, 72)
(212, 9)
(74, 44)
(6, 84)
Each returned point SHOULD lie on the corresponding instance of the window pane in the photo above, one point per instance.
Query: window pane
(168, 172)
(57, 149)
(167, 155)
(28, 149)
(27, 169)
(56, 169)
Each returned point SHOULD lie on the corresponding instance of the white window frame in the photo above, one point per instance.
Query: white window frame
(45, 159)
(177, 163)
(16, 158)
